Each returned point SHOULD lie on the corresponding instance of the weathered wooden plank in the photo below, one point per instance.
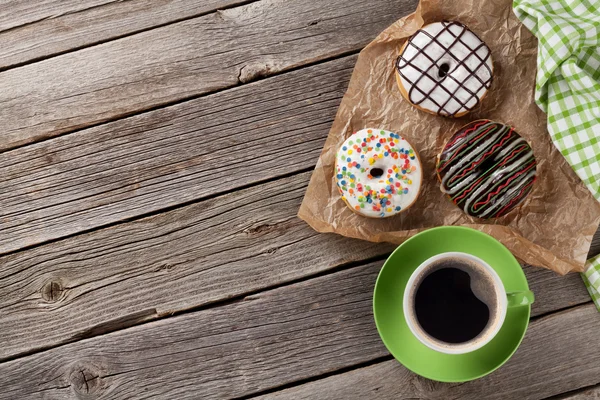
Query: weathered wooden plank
(15, 13)
(210, 251)
(554, 357)
(589, 394)
(182, 60)
(269, 339)
(32, 30)
(168, 156)
(554, 292)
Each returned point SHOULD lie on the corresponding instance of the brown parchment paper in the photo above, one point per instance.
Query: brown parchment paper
(553, 229)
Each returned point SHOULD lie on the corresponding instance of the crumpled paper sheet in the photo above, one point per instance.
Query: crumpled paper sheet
(553, 229)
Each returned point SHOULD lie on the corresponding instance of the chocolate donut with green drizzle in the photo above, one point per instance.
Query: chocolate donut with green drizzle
(487, 169)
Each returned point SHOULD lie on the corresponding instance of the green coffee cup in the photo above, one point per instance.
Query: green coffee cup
(417, 352)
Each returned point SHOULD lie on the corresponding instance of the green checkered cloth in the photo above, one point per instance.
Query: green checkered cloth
(568, 88)
(591, 278)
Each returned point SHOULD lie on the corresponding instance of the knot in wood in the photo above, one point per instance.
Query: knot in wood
(85, 379)
(52, 291)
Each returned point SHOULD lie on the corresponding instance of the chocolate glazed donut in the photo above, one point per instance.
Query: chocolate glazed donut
(487, 169)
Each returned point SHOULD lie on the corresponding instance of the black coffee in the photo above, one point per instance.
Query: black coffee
(446, 307)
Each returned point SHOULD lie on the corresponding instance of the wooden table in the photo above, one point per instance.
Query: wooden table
(154, 156)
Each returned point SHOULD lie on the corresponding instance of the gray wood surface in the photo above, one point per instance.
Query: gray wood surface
(257, 343)
(163, 158)
(588, 394)
(182, 60)
(33, 30)
(139, 267)
(17, 13)
(277, 337)
(210, 251)
(557, 355)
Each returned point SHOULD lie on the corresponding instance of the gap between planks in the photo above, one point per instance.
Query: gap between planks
(591, 392)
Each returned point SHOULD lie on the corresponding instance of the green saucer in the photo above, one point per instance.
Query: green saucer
(389, 317)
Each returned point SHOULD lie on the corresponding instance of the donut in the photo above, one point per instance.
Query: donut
(444, 69)
(378, 173)
(487, 169)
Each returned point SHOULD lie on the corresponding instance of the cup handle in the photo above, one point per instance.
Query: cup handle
(516, 299)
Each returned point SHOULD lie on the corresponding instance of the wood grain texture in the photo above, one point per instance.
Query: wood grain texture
(216, 249)
(589, 394)
(17, 13)
(168, 156)
(182, 60)
(554, 292)
(32, 30)
(269, 339)
(210, 251)
(557, 355)
(263, 341)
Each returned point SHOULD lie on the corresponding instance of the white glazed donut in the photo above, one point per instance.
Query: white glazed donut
(444, 69)
(378, 173)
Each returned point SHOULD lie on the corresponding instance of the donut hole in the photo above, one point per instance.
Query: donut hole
(376, 172)
(443, 70)
(486, 164)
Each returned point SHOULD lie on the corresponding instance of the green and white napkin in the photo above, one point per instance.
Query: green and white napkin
(568, 89)
(591, 277)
